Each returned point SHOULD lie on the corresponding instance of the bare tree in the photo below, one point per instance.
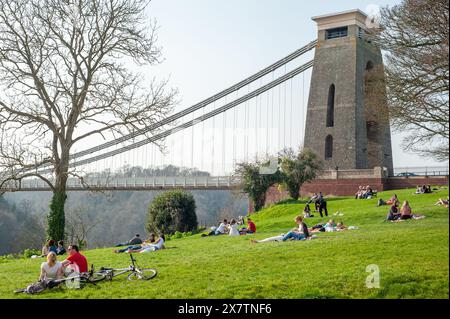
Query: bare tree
(64, 80)
(78, 226)
(415, 36)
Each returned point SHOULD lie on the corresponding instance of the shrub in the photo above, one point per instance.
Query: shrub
(172, 212)
(27, 253)
(177, 234)
(8, 257)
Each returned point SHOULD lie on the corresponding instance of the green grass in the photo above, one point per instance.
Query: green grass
(412, 256)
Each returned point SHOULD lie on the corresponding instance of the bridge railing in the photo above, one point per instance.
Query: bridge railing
(130, 183)
(420, 171)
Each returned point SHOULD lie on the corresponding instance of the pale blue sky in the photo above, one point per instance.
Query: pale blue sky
(209, 45)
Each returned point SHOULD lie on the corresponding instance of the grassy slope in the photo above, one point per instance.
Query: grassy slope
(412, 257)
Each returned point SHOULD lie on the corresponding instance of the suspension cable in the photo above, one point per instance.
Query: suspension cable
(310, 46)
(211, 114)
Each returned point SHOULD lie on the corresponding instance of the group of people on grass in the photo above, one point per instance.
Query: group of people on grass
(364, 192)
(77, 263)
(299, 233)
(50, 246)
(399, 213)
(54, 269)
(302, 232)
(423, 189)
(232, 228)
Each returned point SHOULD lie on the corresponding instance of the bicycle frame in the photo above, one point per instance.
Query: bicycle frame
(113, 272)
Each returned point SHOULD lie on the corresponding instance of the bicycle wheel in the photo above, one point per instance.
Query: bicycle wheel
(97, 276)
(144, 274)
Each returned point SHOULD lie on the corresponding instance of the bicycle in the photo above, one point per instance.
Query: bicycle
(135, 272)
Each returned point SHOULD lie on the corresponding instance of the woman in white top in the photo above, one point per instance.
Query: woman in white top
(233, 228)
(52, 268)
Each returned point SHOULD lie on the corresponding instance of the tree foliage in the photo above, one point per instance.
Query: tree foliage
(256, 182)
(172, 211)
(415, 36)
(298, 168)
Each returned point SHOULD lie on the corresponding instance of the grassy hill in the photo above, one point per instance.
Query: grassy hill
(412, 256)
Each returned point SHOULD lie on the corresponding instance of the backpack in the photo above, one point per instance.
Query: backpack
(36, 288)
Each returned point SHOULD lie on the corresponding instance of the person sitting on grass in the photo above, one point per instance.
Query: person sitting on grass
(405, 211)
(368, 192)
(443, 202)
(307, 211)
(48, 247)
(158, 244)
(233, 228)
(222, 229)
(60, 250)
(299, 233)
(251, 228)
(359, 192)
(419, 190)
(75, 262)
(52, 268)
(393, 214)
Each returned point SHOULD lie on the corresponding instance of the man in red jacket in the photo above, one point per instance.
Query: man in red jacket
(251, 228)
(76, 261)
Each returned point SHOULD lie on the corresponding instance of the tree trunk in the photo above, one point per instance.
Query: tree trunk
(56, 217)
(294, 191)
(259, 202)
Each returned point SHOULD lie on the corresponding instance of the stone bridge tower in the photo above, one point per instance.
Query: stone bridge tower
(347, 122)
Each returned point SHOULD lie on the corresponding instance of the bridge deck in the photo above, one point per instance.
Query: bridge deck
(122, 184)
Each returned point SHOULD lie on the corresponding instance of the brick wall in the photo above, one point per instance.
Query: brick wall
(341, 187)
(408, 182)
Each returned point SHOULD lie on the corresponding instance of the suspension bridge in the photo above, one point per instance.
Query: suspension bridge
(250, 120)
(249, 117)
